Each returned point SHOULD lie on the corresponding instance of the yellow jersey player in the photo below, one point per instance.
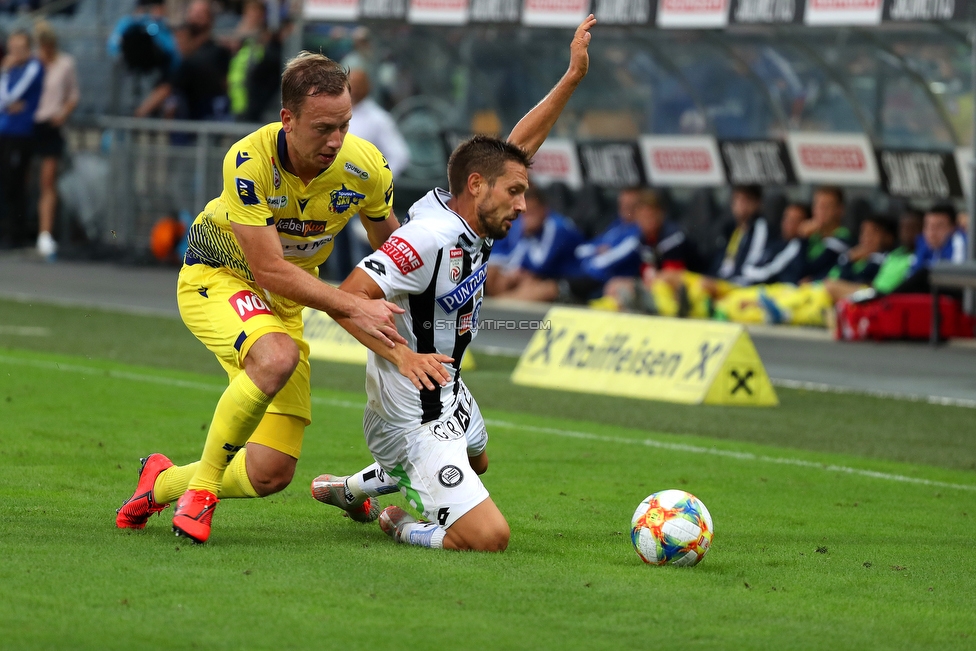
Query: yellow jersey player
(251, 266)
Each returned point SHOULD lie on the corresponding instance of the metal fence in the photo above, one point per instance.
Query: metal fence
(130, 172)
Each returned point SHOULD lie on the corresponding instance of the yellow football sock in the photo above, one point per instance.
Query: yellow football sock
(172, 482)
(238, 412)
(236, 482)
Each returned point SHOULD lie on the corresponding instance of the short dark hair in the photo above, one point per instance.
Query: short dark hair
(308, 75)
(805, 207)
(484, 155)
(650, 198)
(883, 222)
(911, 213)
(946, 209)
(753, 191)
(832, 189)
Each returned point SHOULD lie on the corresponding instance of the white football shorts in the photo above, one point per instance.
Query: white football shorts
(430, 462)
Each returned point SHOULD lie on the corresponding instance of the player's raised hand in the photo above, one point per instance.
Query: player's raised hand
(579, 57)
(375, 318)
(425, 369)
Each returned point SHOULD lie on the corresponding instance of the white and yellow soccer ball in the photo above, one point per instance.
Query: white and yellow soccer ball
(671, 527)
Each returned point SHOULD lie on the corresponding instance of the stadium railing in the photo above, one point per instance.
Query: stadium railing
(150, 168)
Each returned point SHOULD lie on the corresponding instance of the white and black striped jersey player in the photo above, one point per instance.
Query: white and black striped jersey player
(434, 267)
(431, 439)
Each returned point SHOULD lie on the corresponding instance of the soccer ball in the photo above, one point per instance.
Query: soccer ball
(671, 527)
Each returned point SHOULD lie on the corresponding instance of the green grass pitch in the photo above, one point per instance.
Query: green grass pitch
(841, 522)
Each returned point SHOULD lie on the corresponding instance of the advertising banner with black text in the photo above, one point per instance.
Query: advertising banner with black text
(612, 164)
(919, 174)
(917, 11)
(624, 12)
(766, 12)
(762, 162)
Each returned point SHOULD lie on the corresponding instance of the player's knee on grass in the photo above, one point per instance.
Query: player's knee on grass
(269, 470)
(271, 361)
(482, 529)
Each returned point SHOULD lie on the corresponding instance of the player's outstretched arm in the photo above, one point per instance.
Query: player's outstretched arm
(532, 130)
(421, 369)
(262, 250)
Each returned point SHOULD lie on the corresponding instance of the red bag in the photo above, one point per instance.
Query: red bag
(900, 316)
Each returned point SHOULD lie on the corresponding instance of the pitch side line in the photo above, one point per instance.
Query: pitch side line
(731, 454)
(587, 436)
(873, 393)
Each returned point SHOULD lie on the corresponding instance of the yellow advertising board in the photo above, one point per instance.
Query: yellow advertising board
(655, 358)
(329, 341)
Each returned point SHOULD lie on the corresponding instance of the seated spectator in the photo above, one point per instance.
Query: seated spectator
(660, 246)
(747, 242)
(810, 302)
(893, 270)
(627, 200)
(784, 260)
(539, 247)
(826, 237)
(687, 293)
(613, 244)
(940, 241)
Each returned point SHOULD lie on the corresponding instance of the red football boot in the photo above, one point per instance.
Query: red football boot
(135, 511)
(193, 514)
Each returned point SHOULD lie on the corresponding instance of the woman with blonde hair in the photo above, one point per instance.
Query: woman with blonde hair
(58, 99)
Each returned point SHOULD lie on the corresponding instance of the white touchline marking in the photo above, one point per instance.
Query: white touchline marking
(874, 393)
(742, 456)
(589, 436)
(25, 331)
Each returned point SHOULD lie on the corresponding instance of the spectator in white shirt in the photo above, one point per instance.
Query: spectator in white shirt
(372, 123)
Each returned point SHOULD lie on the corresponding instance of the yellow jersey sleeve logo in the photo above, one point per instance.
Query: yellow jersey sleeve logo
(246, 191)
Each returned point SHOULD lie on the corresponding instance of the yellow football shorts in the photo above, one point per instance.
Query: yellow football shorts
(228, 315)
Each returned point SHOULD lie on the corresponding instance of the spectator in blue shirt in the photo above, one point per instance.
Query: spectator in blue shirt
(539, 246)
(940, 241)
(630, 252)
(21, 82)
